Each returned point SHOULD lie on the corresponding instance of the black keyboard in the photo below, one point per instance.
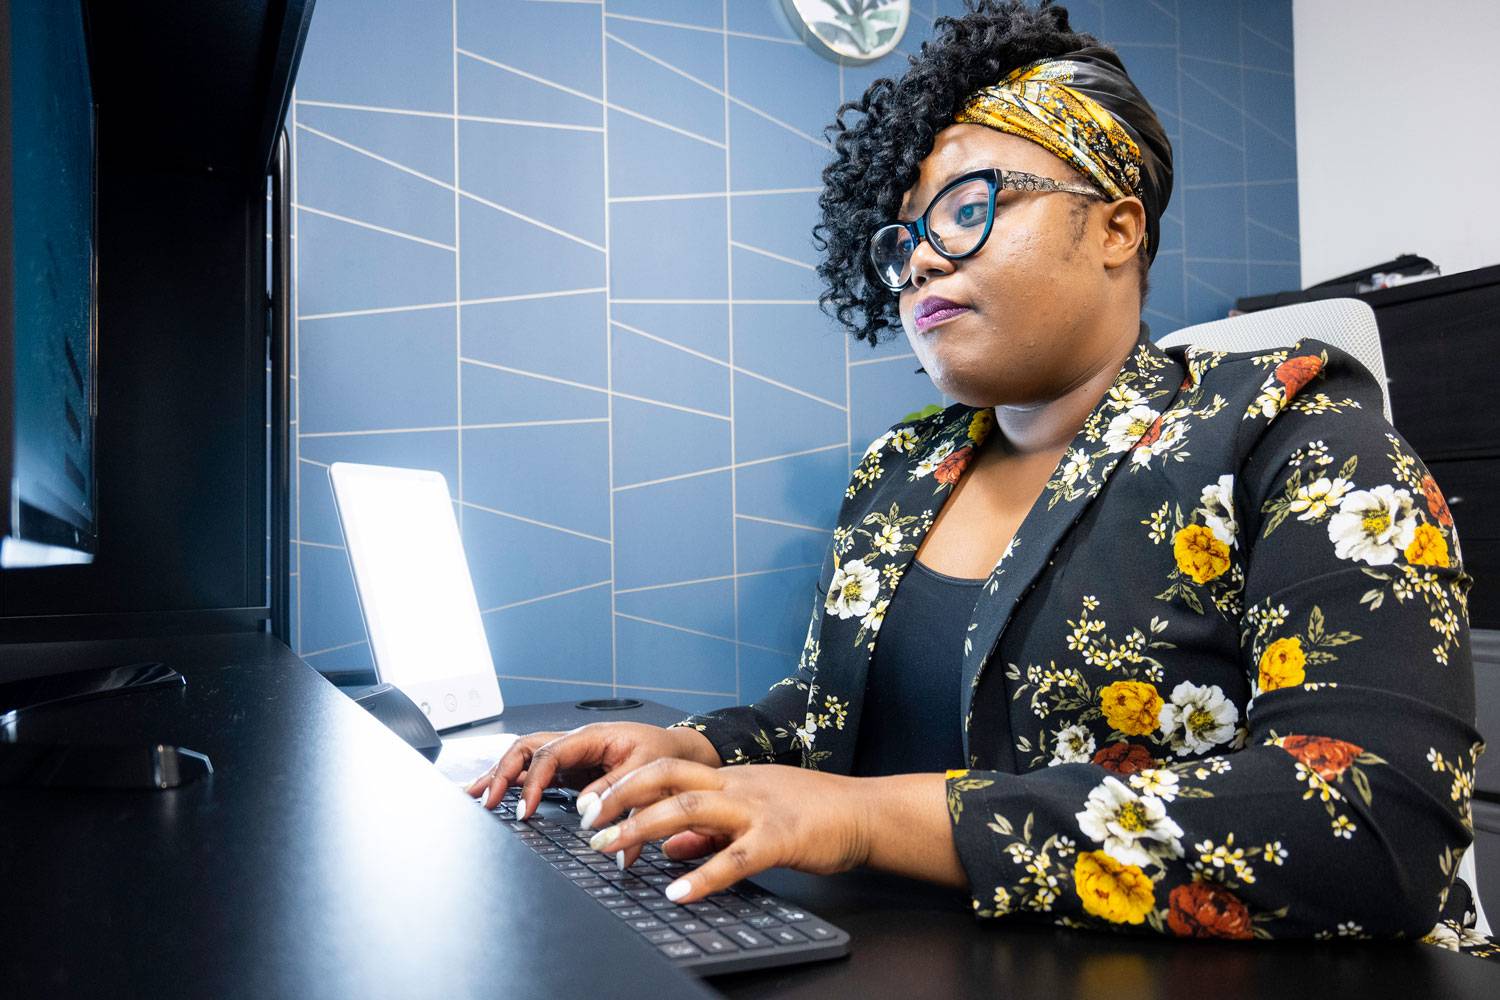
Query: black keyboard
(744, 927)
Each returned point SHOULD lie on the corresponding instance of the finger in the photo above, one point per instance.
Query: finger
(628, 856)
(509, 768)
(651, 782)
(707, 812)
(688, 844)
(741, 859)
(590, 794)
(565, 751)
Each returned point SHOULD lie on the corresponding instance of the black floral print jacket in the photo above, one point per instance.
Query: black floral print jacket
(1219, 685)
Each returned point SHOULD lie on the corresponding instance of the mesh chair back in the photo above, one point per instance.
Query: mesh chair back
(1347, 324)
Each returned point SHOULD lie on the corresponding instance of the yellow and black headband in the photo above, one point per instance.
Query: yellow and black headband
(1084, 109)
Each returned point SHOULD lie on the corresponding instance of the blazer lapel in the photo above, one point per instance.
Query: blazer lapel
(1126, 418)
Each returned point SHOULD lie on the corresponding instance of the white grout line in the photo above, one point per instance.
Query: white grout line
(547, 597)
(458, 291)
(699, 27)
(379, 229)
(774, 256)
(534, 521)
(526, 218)
(734, 500)
(908, 356)
(783, 524)
(530, 76)
(753, 193)
(714, 579)
(609, 365)
(728, 468)
(453, 427)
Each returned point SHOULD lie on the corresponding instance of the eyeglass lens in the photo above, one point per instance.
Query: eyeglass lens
(955, 222)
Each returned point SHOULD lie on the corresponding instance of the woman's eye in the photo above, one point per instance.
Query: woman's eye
(971, 214)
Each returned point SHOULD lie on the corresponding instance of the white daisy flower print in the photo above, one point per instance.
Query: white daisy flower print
(1074, 745)
(888, 539)
(1373, 526)
(933, 460)
(1198, 718)
(1133, 829)
(853, 590)
(1319, 498)
(1217, 508)
(1155, 781)
(1128, 427)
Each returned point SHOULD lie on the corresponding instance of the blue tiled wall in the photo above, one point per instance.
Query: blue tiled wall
(560, 252)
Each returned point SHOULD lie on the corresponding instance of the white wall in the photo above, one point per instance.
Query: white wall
(1397, 145)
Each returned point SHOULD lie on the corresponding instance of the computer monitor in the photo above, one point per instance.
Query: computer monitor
(48, 286)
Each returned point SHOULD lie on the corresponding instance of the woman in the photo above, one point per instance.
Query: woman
(1196, 623)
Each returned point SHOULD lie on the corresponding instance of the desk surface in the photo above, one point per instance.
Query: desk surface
(325, 858)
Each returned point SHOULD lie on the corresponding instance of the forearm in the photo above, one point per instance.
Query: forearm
(908, 829)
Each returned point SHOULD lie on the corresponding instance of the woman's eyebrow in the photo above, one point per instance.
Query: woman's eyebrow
(900, 217)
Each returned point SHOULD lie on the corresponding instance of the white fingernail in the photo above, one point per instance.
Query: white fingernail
(620, 859)
(678, 889)
(585, 802)
(604, 838)
(591, 814)
(521, 808)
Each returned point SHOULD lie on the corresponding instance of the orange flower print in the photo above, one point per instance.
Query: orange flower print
(1199, 553)
(1436, 505)
(1329, 757)
(1201, 909)
(1428, 547)
(1294, 373)
(953, 466)
(1124, 758)
(1132, 707)
(1281, 665)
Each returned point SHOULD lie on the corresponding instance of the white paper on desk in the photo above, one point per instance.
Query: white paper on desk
(465, 758)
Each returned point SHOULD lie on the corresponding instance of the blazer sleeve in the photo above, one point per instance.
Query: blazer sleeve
(1343, 810)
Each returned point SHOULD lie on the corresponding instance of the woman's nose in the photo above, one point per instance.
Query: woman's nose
(926, 263)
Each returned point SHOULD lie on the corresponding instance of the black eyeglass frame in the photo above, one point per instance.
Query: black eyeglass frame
(998, 179)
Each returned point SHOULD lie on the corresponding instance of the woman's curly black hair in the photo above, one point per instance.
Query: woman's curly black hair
(879, 156)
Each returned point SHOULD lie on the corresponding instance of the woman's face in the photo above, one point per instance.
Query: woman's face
(1044, 302)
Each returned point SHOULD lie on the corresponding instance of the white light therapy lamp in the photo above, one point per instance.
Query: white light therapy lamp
(415, 593)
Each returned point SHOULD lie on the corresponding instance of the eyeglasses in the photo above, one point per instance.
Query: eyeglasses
(957, 221)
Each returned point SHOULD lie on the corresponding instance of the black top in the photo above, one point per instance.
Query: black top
(910, 723)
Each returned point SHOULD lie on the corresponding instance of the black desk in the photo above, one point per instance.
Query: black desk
(325, 858)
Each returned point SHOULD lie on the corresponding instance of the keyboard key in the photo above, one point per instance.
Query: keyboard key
(631, 912)
(615, 902)
(656, 879)
(713, 943)
(720, 919)
(782, 934)
(602, 891)
(746, 938)
(788, 914)
(742, 909)
(701, 907)
(676, 915)
(763, 921)
(579, 874)
(817, 930)
(662, 936)
(692, 926)
(589, 883)
(679, 949)
(646, 924)
(658, 904)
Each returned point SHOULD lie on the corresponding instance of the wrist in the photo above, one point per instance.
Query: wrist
(692, 745)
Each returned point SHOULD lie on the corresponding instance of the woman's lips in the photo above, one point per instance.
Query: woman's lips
(940, 315)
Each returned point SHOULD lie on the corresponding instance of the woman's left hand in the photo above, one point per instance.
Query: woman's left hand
(757, 816)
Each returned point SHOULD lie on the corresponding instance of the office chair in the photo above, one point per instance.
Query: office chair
(1347, 324)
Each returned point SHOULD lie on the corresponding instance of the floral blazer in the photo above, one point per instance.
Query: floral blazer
(1218, 685)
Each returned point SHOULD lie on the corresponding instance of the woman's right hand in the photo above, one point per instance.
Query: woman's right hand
(593, 757)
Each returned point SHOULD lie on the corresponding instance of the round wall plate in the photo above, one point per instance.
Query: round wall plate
(849, 31)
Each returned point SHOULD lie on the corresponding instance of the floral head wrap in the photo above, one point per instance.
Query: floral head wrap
(1084, 109)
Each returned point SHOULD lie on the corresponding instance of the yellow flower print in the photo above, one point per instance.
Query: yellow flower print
(1132, 707)
(980, 425)
(1427, 548)
(956, 773)
(1121, 894)
(1200, 554)
(1281, 664)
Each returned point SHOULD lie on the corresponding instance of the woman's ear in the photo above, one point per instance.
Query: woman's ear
(1124, 229)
